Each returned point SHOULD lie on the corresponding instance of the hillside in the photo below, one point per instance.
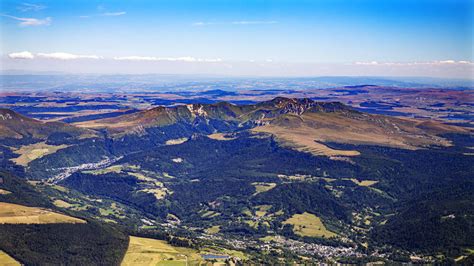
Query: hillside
(296, 179)
(16, 126)
(298, 123)
(34, 231)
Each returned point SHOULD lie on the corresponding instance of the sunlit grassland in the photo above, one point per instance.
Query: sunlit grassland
(308, 224)
(34, 151)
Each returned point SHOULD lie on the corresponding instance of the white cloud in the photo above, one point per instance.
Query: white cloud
(372, 63)
(66, 56)
(104, 13)
(200, 23)
(429, 63)
(21, 55)
(170, 59)
(25, 22)
(24, 7)
(114, 14)
(69, 56)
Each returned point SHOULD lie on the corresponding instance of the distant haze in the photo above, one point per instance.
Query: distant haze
(238, 68)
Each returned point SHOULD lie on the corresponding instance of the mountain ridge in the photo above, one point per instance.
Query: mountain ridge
(289, 119)
(298, 123)
(17, 126)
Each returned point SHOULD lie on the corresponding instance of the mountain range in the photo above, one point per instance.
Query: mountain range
(293, 177)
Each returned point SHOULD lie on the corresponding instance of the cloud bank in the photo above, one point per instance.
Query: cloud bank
(25, 22)
(433, 63)
(21, 55)
(133, 64)
(66, 56)
(172, 59)
(69, 56)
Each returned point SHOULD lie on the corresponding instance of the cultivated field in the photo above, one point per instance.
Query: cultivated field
(19, 214)
(32, 152)
(308, 224)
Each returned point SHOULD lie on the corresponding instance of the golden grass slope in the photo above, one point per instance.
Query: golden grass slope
(19, 214)
(261, 187)
(305, 132)
(363, 183)
(176, 141)
(213, 229)
(221, 136)
(34, 151)
(132, 123)
(6, 260)
(4, 192)
(304, 140)
(14, 125)
(308, 224)
(147, 251)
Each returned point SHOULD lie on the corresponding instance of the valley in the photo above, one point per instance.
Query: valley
(287, 179)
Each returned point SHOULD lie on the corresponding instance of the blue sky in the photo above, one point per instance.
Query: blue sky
(293, 32)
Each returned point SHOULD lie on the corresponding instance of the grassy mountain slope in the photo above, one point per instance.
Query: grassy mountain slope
(90, 243)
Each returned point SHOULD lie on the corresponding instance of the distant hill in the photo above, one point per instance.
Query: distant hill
(382, 185)
(295, 122)
(16, 126)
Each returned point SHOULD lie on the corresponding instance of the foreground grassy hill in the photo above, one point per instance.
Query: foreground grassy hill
(33, 231)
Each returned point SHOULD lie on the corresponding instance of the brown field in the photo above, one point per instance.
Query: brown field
(19, 214)
(6, 260)
(32, 152)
